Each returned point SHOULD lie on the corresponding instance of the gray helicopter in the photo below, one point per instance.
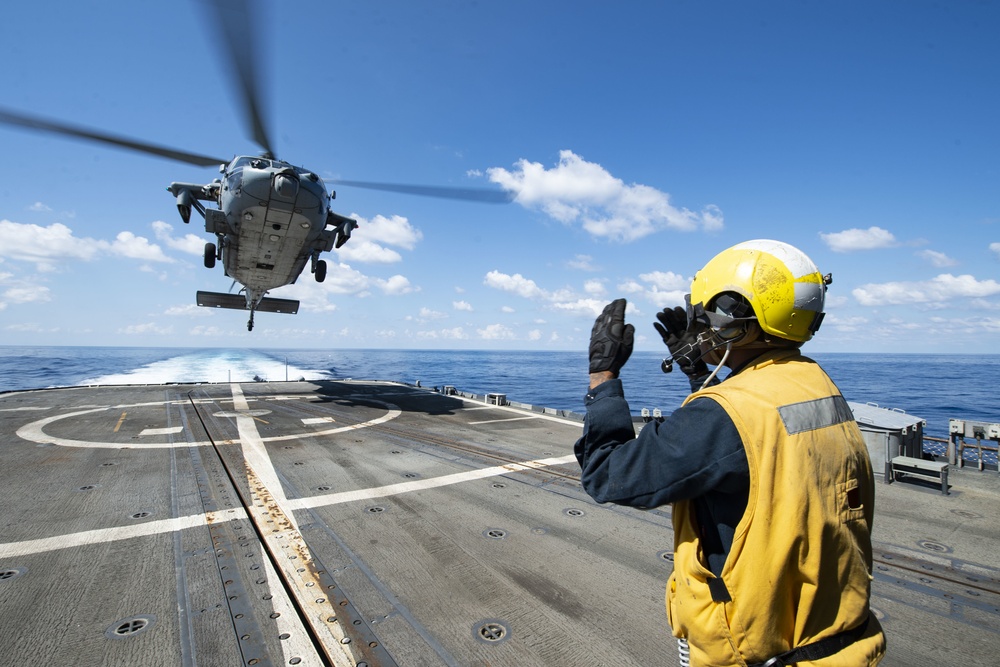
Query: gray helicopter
(270, 218)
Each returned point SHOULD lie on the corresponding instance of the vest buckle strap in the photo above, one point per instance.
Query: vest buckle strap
(818, 650)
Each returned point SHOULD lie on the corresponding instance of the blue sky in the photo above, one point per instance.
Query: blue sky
(640, 138)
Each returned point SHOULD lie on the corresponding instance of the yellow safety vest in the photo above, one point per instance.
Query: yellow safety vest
(800, 565)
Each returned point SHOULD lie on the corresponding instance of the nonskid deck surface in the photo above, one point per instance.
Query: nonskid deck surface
(365, 523)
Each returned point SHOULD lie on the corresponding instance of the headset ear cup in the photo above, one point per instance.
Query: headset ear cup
(740, 334)
(753, 332)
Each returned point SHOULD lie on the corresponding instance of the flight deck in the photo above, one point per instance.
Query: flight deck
(363, 523)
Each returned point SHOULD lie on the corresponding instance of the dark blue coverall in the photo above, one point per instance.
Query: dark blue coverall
(695, 453)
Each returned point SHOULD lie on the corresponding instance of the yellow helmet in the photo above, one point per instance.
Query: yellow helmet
(781, 284)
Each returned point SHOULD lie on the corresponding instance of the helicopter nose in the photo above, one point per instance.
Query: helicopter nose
(286, 186)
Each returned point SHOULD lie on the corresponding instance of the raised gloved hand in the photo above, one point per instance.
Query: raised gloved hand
(611, 339)
(682, 341)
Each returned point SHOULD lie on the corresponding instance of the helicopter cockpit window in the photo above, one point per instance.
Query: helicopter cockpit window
(259, 163)
(240, 162)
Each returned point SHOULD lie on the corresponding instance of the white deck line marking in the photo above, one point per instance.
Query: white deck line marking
(511, 419)
(101, 535)
(508, 408)
(255, 454)
(420, 485)
(161, 431)
(98, 536)
(318, 420)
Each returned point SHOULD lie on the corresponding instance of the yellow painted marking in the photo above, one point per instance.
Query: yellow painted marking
(262, 421)
(119, 424)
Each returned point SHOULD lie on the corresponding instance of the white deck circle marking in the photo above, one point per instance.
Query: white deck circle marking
(34, 432)
(242, 413)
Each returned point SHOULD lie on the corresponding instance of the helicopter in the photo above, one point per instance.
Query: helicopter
(270, 218)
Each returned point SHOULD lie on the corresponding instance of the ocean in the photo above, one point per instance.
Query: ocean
(935, 388)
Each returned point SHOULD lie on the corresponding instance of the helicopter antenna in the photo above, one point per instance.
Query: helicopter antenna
(242, 42)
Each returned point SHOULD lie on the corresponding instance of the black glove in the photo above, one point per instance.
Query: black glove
(611, 339)
(682, 341)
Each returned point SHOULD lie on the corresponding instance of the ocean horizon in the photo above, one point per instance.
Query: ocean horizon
(932, 387)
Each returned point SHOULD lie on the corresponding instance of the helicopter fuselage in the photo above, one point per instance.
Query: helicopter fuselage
(272, 219)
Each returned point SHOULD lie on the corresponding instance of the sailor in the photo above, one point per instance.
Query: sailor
(768, 474)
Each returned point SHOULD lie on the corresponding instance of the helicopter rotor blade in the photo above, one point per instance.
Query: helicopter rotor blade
(440, 192)
(44, 125)
(242, 42)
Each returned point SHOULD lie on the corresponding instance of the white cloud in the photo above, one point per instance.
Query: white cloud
(396, 285)
(192, 244)
(495, 332)
(146, 328)
(581, 192)
(45, 245)
(27, 294)
(28, 327)
(426, 314)
(534, 334)
(340, 279)
(845, 324)
(208, 331)
(516, 284)
(583, 307)
(938, 260)
(189, 310)
(995, 248)
(39, 207)
(582, 263)
(850, 240)
(664, 289)
(507, 309)
(666, 280)
(630, 287)
(127, 244)
(595, 288)
(368, 242)
(457, 333)
(461, 305)
(937, 290)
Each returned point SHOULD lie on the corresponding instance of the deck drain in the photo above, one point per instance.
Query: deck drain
(495, 533)
(538, 530)
(572, 511)
(88, 487)
(322, 488)
(130, 627)
(141, 515)
(931, 545)
(411, 475)
(375, 509)
(490, 631)
(666, 555)
(12, 573)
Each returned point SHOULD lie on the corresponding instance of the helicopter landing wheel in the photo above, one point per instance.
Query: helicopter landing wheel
(209, 255)
(321, 270)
